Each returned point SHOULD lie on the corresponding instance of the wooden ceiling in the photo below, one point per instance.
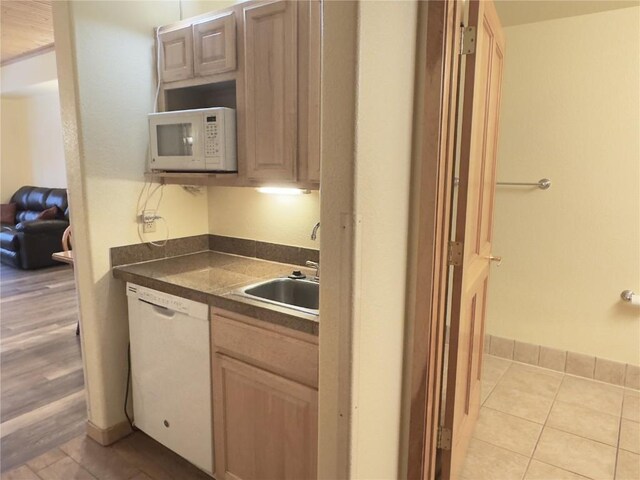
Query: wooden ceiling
(27, 28)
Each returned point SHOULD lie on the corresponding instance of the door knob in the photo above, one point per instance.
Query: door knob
(492, 258)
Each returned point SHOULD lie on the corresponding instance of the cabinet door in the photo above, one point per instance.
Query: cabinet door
(176, 54)
(270, 90)
(309, 61)
(215, 45)
(265, 425)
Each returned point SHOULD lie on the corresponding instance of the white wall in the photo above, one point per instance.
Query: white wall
(368, 51)
(387, 40)
(337, 288)
(106, 76)
(570, 112)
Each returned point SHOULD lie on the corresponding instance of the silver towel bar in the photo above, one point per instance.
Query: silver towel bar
(542, 184)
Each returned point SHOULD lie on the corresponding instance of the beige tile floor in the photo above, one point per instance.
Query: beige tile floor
(538, 424)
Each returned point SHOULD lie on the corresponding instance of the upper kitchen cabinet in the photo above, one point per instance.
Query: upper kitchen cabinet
(202, 48)
(262, 58)
(309, 52)
(270, 90)
(214, 43)
(282, 49)
(176, 54)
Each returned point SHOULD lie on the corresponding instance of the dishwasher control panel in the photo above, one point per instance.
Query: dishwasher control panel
(167, 301)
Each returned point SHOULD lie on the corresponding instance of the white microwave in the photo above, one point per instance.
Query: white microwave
(200, 140)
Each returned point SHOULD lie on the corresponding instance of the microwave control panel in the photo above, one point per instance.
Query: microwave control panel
(212, 131)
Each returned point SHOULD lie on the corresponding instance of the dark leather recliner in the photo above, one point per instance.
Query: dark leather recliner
(30, 243)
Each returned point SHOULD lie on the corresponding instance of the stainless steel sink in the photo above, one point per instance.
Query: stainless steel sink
(302, 295)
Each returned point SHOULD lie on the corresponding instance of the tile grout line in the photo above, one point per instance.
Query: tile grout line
(497, 381)
(555, 397)
(615, 467)
(514, 416)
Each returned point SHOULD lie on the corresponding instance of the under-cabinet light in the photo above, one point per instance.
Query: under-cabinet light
(282, 191)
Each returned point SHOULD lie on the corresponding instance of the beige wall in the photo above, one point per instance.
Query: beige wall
(15, 167)
(46, 150)
(32, 149)
(31, 128)
(191, 8)
(570, 112)
(32, 74)
(106, 77)
(247, 213)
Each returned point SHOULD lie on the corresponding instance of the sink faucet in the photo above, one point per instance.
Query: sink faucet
(314, 232)
(315, 265)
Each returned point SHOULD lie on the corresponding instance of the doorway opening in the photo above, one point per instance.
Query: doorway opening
(541, 355)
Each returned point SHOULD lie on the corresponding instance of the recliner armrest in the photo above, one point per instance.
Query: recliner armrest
(42, 226)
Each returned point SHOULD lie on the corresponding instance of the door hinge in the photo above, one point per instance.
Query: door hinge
(468, 42)
(444, 438)
(454, 256)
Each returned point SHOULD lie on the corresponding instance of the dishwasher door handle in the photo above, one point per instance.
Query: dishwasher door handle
(164, 311)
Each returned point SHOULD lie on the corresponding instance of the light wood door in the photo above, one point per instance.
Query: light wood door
(214, 43)
(265, 424)
(270, 90)
(479, 135)
(176, 54)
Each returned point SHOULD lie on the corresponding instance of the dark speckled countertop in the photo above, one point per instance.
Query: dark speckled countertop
(212, 277)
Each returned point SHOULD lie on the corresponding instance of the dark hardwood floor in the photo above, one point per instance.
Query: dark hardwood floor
(42, 402)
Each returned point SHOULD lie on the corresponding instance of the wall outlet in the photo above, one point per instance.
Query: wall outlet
(149, 221)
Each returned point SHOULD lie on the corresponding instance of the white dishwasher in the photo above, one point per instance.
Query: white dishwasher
(171, 372)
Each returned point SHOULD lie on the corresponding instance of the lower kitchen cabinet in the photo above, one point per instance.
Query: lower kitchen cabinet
(265, 416)
(268, 424)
